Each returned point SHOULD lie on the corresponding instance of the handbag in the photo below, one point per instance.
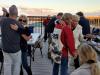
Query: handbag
(55, 54)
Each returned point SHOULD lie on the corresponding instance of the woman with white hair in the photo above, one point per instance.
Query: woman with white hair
(88, 60)
(78, 37)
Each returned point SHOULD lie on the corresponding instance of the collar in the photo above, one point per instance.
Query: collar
(85, 66)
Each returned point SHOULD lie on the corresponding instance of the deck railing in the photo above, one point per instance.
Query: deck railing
(37, 22)
(94, 21)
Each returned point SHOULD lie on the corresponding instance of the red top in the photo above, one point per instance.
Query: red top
(45, 22)
(67, 40)
(58, 26)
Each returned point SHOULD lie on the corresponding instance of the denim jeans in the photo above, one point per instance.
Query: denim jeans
(25, 63)
(55, 69)
(64, 66)
(12, 62)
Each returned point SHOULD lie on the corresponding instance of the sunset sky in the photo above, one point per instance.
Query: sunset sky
(45, 7)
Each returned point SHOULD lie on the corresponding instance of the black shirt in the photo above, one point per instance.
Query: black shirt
(23, 42)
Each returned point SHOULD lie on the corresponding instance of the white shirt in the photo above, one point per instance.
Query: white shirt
(77, 32)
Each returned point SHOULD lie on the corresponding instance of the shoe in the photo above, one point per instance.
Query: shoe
(29, 71)
(21, 71)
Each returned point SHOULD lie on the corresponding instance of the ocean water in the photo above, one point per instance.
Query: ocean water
(37, 27)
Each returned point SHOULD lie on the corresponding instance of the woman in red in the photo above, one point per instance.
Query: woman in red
(67, 40)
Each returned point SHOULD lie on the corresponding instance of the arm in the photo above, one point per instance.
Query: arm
(16, 28)
(26, 37)
(20, 30)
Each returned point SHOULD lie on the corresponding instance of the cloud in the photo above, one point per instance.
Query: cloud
(96, 13)
(36, 11)
(42, 11)
(32, 11)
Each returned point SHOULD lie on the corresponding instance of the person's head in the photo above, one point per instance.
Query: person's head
(75, 20)
(48, 17)
(67, 18)
(5, 12)
(80, 14)
(13, 11)
(59, 15)
(88, 55)
(23, 19)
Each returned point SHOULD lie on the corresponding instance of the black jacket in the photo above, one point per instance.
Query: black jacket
(23, 42)
(51, 25)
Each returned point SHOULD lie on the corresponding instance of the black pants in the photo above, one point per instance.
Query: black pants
(1, 60)
(76, 62)
(45, 34)
(1, 56)
(29, 50)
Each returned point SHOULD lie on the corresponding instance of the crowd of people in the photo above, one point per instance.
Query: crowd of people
(65, 38)
(64, 32)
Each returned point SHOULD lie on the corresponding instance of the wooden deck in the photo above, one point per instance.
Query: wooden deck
(40, 65)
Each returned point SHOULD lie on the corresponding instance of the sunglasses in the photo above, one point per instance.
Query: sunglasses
(22, 20)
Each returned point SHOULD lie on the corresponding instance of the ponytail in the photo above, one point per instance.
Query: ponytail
(95, 70)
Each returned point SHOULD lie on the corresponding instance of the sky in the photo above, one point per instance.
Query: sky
(52, 7)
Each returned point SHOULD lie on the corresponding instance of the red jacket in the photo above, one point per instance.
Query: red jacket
(67, 40)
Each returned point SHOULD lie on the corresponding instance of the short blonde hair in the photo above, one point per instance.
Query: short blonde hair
(87, 53)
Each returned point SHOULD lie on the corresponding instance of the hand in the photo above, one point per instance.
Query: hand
(90, 36)
(30, 37)
(75, 56)
(26, 37)
(14, 27)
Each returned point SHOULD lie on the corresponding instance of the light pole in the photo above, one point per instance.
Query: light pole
(41, 20)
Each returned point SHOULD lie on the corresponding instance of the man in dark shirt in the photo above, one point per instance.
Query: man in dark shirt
(84, 23)
(51, 23)
(11, 43)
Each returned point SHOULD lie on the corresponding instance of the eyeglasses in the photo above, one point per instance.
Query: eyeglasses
(22, 20)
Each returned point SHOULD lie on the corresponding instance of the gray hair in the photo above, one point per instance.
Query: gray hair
(67, 17)
(13, 11)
